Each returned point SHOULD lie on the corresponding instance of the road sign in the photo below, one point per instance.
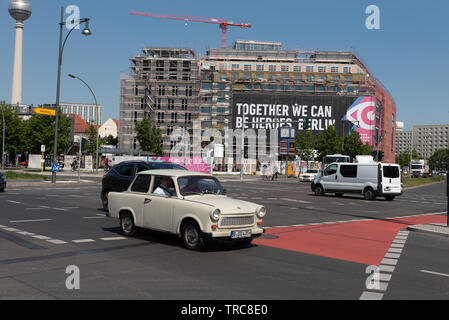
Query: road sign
(287, 132)
(45, 112)
(42, 148)
(219, 150)
(55, 167)
(283, 148)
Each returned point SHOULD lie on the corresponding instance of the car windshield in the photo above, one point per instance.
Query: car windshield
(199, 185)
(312, 171)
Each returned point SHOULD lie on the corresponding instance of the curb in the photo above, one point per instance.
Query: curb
(438, 229)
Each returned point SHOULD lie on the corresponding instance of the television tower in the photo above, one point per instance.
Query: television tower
(20, 10)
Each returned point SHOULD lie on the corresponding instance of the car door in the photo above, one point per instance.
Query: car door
(329, 179)
(124, 177)
(158, 209)
(347, 177)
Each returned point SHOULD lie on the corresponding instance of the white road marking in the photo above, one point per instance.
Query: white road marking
(113, 238)
(70, 207)
(392, 255)
(12, 229)
(366, 295)
(436, 273)
(41, 237)
(56, 241)
(17, 202)
(35, 208)
(392, 262)
(25, 233)
(386, 268)
(83, 240)
(36, 220)
(395, 250)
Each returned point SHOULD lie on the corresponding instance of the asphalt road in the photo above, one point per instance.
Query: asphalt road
(314, 248)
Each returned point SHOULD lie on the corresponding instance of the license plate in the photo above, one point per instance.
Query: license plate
(240, 234)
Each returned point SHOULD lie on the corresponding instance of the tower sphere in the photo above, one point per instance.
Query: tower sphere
(20, 10)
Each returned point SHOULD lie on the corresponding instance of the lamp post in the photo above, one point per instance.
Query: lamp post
(85, 32)
(98, 116)
(3, 139)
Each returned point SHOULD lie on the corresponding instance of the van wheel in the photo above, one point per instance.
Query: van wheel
(369, 194)
(319, 190)
(389, 198)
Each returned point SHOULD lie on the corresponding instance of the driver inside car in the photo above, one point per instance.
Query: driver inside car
(164, 187)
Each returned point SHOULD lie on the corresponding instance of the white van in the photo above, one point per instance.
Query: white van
(369, 179)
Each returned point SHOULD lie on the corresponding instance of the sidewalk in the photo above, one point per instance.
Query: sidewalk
(440, 229)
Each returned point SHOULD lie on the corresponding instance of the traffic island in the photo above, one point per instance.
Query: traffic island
(440, 229)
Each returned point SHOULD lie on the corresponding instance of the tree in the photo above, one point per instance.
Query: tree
(438, 159)
(14, 131)
(328, 142)
(305, 146)
(110, 140)
(40, 130)
(403, 159)
(354, 146)
(149, 137)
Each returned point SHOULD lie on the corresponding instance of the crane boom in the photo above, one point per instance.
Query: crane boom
(223, 24)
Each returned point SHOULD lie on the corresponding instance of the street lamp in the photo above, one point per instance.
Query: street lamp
(3, 139)
(98, 116)
(86, 32)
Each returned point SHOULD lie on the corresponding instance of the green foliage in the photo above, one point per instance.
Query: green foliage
(14, 130)
(29, 135)
(110, 140)
(354, 146)
(403, 159)
(305, 145)
(438, 159)
(149, 137)
(328, 142)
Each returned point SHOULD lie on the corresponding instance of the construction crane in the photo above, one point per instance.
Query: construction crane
(223, 24)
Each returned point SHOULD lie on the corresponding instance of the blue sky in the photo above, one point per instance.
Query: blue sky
(409, 54)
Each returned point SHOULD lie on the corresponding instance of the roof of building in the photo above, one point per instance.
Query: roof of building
(80, 126)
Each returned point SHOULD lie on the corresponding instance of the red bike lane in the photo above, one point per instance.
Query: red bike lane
(364, 242)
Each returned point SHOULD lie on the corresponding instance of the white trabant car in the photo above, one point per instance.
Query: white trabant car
(189, 204)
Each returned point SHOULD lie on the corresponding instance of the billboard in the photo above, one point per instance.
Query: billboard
(271, 110)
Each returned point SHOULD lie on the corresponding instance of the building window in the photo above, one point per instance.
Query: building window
(284, 68)
(321, 69)
(189, 91)
(346, 69)
(174, 90)
(188, 117)
(160, 117)
(260, 67)
(158, 103)
(297, 68)
(285, 78)
(334, 69)
(235, 67)
(206, 86)
(247, 67)
(161, 90)
(171, 104)
(271, 68)
(206, 110)
(174, 117)
(184, 104)
(309, 69)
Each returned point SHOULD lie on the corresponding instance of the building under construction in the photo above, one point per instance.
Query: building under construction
(174, 87)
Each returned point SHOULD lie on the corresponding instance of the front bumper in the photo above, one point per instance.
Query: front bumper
(226, 234)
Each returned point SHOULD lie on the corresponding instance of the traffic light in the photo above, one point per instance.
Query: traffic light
(376, 156)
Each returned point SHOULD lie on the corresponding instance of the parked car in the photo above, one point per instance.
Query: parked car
(442, 173)
(2, 182)
(309, 175)
(120, 176)
(369, 179)
(189, 204)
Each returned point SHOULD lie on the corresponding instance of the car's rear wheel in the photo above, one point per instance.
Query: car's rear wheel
(191, 236)
(127, 225)
(2, 190)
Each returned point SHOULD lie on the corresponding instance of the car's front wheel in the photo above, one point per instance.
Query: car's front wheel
(192, 237)
(127, 225)
(319, 191)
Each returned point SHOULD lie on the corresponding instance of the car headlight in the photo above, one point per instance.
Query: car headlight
(215, 215)
(261, 212)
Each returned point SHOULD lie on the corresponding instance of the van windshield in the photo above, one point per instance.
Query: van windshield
(391, 172)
